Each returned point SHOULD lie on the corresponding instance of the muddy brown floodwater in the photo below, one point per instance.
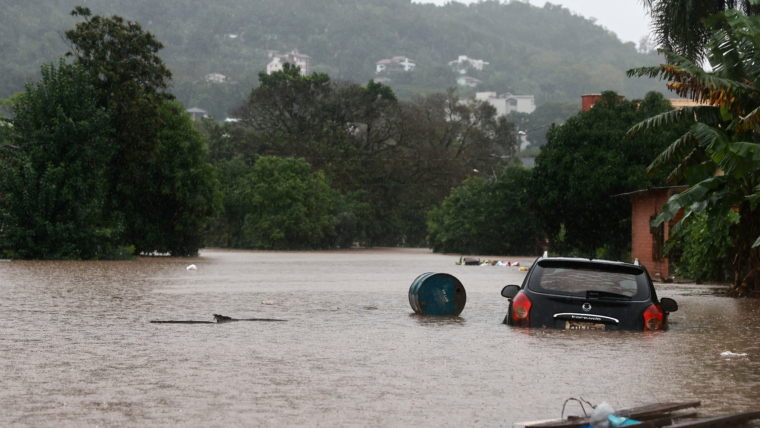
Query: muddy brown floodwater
(77, 347)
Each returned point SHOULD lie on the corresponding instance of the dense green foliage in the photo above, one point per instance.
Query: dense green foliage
(279, 203)
(289, 206)
(391, 160)
(721, 137)
(486, 216)
(585, 163)
(703, 250)
(179, 192)
(158, 177)
(102, 163)
(543, 50)
(54, 184)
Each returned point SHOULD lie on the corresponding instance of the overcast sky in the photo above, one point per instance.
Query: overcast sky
(626, 18)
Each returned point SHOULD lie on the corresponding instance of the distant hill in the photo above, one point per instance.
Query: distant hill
(545, 51)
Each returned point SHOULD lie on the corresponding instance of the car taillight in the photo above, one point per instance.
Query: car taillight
(653, 318)
(521, 310)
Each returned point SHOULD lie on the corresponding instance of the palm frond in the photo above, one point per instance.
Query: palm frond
(696, 156)
(712, 138)
(705, 114)
(676, 150)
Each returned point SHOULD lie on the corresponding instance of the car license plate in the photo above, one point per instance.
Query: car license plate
(575, 325)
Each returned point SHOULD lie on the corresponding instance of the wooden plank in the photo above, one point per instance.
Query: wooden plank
(651, 410)
(720, 421)
(664, 421)
(645, 411)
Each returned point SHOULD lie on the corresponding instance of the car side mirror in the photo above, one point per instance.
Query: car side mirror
(510, 291)
(668, 304)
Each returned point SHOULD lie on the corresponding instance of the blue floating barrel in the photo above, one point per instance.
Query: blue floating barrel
(437, 294)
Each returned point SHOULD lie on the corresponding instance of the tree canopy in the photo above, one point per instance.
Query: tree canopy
(102, 162)
(486, 216)
(392, 160)
(586, 162)
(53, 178)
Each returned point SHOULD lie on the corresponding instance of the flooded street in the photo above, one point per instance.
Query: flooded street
(77, 347)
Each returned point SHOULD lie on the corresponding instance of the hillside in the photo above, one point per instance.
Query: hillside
(545, 51)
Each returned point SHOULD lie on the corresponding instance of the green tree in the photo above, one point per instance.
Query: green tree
(290, 115)
(129, 77)
(290, 207)
(53, 178)
(182, 189)
(718, 155)
(486, 216)
(226, 230)
(703, 249)
(585, 163)
(158, 177)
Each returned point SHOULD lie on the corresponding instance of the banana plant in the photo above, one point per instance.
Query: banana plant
(719, 156)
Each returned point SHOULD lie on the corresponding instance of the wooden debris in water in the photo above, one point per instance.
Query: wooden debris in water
(219, 319)
(655, 416)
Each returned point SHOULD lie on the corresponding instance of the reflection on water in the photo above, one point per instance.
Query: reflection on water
(77, 347)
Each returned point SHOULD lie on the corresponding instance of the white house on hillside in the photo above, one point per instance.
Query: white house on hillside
(277, 61)
(468, 81)
(508, 103)
(197, 113)
(216, 78)
(460, 65)
(397, 63)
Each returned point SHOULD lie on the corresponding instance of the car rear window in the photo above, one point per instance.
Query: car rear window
(577, 278)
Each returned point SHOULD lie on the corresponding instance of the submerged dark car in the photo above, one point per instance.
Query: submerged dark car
(586, 294)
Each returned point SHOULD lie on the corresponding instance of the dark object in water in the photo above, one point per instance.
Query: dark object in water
(437, 294)
(218, 318)
(182, 322)
(472, 261)
(222, 318)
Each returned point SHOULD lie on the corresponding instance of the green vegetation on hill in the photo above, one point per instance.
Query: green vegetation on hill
(545, 51)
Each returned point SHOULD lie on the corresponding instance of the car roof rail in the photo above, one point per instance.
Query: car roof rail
(545, 255)
(636, 262)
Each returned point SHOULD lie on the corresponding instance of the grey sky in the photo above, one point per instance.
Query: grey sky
(626, 18)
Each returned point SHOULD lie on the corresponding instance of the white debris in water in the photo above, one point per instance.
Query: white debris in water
(192, 267)
(267, 302)
(731, 354)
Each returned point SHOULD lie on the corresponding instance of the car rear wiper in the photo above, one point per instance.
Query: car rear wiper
(596, 294)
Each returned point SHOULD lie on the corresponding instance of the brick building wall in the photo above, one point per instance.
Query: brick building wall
(647, 242)
(643, 241)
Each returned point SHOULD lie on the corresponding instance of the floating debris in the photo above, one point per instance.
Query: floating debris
(219, 319)
(267, 302)
(223, 319)
(475, 261)
(652, 415)
(192, 267)
(732, 354)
